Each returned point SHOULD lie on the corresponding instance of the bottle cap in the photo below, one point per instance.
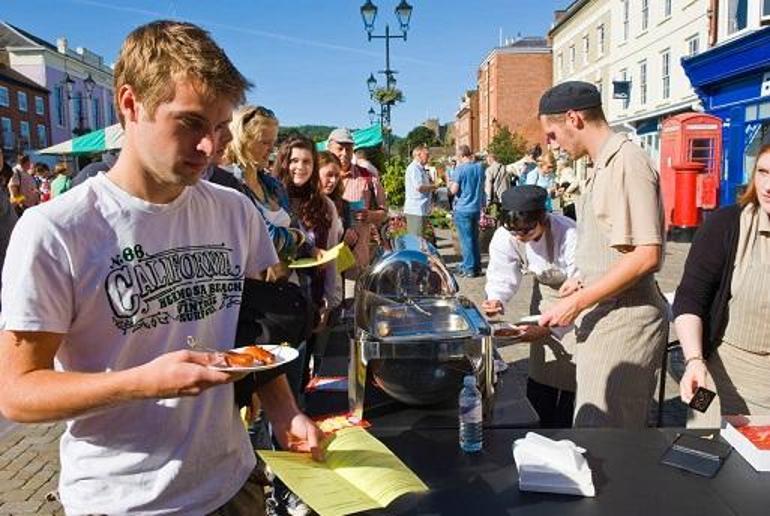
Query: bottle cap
(470, 380)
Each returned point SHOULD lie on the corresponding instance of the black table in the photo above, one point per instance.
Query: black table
(626, 473)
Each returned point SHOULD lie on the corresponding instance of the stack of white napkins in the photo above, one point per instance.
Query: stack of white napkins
(552, 466)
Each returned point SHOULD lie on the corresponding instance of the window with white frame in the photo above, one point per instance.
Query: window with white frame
(39, 105)
(624, 78)
(600, 39)
(665, 72)
(645, 14)
(21, 97)
(624, 10)
(643, 82)
(737, 15)
(24, 134)
(765, 14)
(666, 8)
(60, 106)
(42, 136)
(693, 45)
(599, 87)
(560, 64)
(572, 58)
(5, 99)
(586, 48)
(7, 128)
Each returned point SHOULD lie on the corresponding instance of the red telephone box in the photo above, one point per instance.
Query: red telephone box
(691, 137)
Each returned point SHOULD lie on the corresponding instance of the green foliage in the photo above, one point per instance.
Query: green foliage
(393, 180)
(507, 146)
(441, 218)
(420, 135)
(388, 96)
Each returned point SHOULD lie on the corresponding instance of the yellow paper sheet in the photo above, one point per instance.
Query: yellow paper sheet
(345, 260)
(360, 473)
(326, 256)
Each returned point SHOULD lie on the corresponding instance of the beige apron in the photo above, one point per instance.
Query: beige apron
(739, 369)
(620, 341)
(550, 361)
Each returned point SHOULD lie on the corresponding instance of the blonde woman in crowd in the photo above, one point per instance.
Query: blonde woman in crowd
(720, 306)
(254, 130)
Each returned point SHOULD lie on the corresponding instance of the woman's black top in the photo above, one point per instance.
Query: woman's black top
(705, 287)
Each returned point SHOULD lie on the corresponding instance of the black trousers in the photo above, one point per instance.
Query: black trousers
(554, 407)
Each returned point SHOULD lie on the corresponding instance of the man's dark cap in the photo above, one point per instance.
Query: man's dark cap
(524, 198)
(570, 95)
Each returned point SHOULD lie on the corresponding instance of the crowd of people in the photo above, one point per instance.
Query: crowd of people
(191, 231)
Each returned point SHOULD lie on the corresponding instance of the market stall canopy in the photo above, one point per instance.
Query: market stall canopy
(100, 140)
(369, 137)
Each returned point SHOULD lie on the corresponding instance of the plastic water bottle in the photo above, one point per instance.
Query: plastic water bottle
(471, 430)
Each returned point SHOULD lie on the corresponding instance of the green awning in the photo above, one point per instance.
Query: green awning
(369, 137)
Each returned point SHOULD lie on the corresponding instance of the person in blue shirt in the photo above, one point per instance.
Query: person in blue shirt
(468, 188)
(418, 190)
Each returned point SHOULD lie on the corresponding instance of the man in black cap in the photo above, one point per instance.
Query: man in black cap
(531, 241)
(621, 328)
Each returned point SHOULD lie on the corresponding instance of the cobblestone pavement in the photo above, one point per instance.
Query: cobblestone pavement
(29, 461)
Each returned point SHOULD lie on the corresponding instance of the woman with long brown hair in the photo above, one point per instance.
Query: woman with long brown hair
(297, 167)
(722, 306)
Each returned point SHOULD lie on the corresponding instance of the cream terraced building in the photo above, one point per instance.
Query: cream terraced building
(636, 43)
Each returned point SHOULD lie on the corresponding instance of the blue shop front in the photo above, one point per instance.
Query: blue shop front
(733, 82)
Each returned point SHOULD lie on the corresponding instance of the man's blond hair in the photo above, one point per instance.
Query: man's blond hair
(154, 55)
(246, 127)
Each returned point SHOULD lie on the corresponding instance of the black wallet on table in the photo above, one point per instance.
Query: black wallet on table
(695, 454)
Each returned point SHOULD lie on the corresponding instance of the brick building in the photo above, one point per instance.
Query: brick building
(511, 80)
(24, 121)
(467, 121)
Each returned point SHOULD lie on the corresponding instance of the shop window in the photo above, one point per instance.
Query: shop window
(764, 110)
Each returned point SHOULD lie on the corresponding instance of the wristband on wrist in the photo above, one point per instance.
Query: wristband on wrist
(694, 359)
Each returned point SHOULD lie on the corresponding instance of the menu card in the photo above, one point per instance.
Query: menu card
(360, 473)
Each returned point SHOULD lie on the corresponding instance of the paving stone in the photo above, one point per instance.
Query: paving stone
(18, 495)
(30, 506)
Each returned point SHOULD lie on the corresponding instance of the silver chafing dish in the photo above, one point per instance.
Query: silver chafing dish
(413, 331)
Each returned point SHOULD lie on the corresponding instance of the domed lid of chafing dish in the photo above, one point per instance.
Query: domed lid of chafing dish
(412, 269)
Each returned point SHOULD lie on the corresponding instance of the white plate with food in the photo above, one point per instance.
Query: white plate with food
(248, 359)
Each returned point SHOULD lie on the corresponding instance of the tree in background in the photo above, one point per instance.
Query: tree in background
(420, 135)
(506, 146)
(316, 133)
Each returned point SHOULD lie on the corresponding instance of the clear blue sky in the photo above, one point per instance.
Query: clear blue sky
(309, 59)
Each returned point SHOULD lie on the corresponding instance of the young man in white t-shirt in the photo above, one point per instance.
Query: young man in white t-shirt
(102, 286)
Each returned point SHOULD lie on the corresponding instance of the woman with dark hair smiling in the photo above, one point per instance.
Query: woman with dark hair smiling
(297, 166)
(721, 306)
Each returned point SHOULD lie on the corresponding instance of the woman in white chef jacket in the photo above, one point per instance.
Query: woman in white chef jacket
(532, 241)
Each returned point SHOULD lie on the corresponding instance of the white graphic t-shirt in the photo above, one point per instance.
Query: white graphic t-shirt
(127, 281)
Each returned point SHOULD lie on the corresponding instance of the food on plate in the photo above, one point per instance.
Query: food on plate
(507, 331)
(249, 356)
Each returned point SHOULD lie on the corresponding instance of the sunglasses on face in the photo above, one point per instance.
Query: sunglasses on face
(261, 111)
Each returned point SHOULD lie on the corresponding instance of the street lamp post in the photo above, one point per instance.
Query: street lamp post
(403, 13)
